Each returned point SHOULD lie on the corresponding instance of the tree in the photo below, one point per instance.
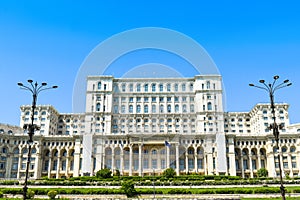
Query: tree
(103, 173)
(52, 194)
(262, 172)
(128, 188)
(169, 173)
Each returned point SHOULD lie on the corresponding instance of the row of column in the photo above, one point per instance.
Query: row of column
(207, 168)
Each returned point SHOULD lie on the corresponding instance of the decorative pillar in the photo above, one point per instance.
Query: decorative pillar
(8, 165)
(130, 160)
(186, 162)
(58, 166)
(196, 160)
(259, 161)
(250, 165)
(290, 165)
(177, 159)
(140, 159)
(49, 166)
(122, 161)
(242, 167)
(67, 166)
(19, 165)
(168, 157)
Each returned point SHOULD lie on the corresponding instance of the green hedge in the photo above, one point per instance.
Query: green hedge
(253, 190)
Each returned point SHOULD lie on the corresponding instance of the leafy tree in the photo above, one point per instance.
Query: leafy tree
(52, 194)
(169, 173)
(117, 173)
(128, 188)
(262, 172)
(103, 173)
(30, 194)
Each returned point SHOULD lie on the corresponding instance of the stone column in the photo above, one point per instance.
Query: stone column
(186, 162)
(177, 159)
(67, 166)
(258, 161)
(49, 165)
(250, 165)
(130, 160)
(19, 165)
(122, 161)
(140, 160)
(242, 167)
(290, 165)
(196, 160)
(168, 157)
(58, 166)
(8, 165)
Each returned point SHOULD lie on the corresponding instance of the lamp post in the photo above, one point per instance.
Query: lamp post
(271, 88)
(35, 89)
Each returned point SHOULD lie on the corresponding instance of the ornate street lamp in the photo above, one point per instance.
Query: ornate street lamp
(35, 89)
(271, 88)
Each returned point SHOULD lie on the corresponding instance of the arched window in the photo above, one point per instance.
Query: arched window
(293, 149)
(27, 113)
(146, 87)
(99, 85)
(161, 87)
(183, 87)
(154, 152)
(117, 152)
(176, 108)
(98, 106)
(44, 113)
(33, 151)
(153, 108)
(168, 87)
(64, 153)
(138, 87)
(176, 87)
(138, 108)
(146, 109)
(191, 87)
(161, 108)
(192, 108)
(130, 109)
(169, 108)
(284, 149)
(153, 87)
(208, 85)
(16, 151)
(131, 87)
(209, 107)
(184, 108)
(123, 87)
(4, 150)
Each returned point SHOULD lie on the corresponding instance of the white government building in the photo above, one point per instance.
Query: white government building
(144, 125)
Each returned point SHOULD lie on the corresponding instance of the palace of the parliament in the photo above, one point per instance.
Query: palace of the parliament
(141, 125)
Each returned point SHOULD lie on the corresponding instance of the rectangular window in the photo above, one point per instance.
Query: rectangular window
(145, 164)
(200, 163)
(254, 164)
(163, 164)
(154, 163)
(136, 164)
(191, 163)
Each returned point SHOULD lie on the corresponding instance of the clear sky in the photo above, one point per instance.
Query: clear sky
(49, 40)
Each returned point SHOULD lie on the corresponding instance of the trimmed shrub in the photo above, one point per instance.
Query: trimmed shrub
(30, 194)
(52, 194)
(104, 173)
(128, 188)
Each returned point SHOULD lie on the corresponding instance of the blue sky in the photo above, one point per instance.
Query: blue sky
(49, 40)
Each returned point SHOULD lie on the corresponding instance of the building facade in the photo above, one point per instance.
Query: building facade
(140, 126)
